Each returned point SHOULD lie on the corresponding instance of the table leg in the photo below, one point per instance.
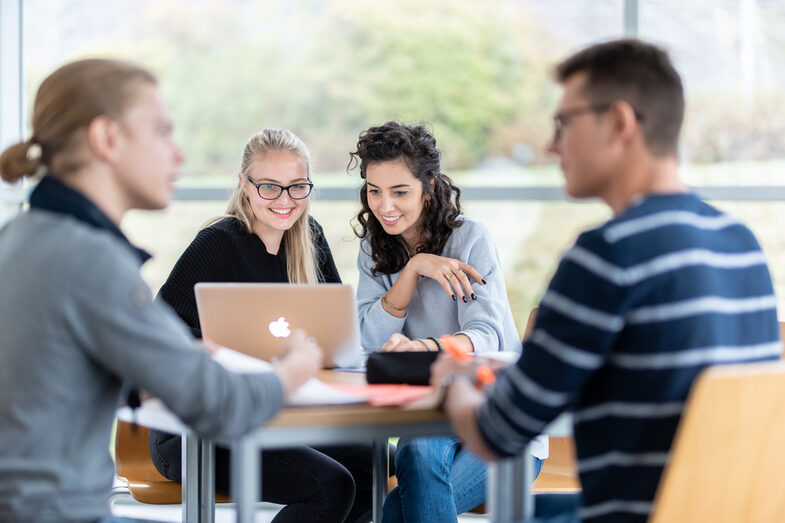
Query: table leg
(207, 483)
(380, 474)
(246, 478)
(190, 478)
(509, 489)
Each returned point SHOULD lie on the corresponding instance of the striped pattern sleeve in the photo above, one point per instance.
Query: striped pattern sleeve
(580, 317)
(636, 310)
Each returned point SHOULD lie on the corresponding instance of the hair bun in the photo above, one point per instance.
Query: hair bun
(34, 151)
(15, 163)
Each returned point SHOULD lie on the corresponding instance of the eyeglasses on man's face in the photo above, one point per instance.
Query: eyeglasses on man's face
(562, 118)
(271, 191)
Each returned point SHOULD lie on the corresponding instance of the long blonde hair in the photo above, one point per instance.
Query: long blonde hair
(66, 102)
(301, 255)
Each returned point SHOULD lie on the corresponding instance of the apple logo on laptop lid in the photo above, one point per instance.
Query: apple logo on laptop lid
(280, 328)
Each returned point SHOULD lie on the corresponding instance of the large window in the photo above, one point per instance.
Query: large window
(478, 72)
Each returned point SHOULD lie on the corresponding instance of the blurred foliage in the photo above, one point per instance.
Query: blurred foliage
(476, 72)
(329, 70)
(726, 127)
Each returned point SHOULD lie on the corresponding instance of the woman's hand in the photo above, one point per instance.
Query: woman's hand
(453, 275)
(400, 343)
(300, 361)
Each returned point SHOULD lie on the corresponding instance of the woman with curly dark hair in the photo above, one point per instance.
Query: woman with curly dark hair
(425, 271)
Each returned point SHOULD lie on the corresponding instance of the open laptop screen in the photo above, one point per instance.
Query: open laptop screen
(256, 318)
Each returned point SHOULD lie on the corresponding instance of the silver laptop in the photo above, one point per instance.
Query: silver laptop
(256, 318)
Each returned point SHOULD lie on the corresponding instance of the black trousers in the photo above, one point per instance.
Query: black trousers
(325, 484)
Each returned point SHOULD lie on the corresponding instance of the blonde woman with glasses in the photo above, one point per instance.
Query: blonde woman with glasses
(267, 235)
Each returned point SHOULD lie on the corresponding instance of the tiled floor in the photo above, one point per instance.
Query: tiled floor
(224, 513)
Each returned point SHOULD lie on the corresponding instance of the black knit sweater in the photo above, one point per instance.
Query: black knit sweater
(226, 252)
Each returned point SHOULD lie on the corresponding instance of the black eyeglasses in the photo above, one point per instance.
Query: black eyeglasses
(271, 191)
(562, 118)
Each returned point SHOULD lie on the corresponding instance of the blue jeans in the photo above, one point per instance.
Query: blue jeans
(437, 480)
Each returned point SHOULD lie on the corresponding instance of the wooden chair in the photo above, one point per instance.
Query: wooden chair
(527, 330)
(782, 337)
(134, 465)
(728, 457)
(559, 472)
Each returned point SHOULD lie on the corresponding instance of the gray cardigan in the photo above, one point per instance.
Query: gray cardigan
(488, 321)
(76, 322)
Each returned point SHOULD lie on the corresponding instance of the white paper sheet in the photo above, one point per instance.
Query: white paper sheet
(506, 356)
(240, 363)
(317, 392)
(312, 392)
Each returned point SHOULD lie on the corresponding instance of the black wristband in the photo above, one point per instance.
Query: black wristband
(436, 341)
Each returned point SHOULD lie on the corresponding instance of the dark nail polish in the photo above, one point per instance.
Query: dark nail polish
(454, 298)
(484, 282)
(474, 296)
(464, 299)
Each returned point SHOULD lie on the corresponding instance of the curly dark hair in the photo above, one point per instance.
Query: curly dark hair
(416, 147)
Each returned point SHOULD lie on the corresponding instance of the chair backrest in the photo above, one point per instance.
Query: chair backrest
(559, 473)
(530, 323)
(728, 458)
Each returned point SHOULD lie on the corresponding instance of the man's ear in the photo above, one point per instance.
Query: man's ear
(625, 124)
(102, 137)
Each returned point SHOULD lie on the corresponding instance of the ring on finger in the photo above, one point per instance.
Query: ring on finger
(448, 276)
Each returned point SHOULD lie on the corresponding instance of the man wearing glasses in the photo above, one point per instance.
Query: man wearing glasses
(637, 307)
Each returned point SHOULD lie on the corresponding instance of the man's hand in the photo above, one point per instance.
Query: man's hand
(301, 360)
(445, 366)
(461, 403)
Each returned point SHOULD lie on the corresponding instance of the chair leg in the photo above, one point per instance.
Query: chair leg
(119, 491)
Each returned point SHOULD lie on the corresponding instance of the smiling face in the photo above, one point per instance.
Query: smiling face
(275, 216)
(395, 198)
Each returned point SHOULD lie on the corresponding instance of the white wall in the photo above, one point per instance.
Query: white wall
(11, 106)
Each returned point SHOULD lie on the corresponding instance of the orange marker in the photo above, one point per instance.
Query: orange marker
(453, 348)
(484, 373)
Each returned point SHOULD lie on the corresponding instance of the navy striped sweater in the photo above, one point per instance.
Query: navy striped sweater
(636, 309)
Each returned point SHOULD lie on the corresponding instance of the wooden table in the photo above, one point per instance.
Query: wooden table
(508, 480)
